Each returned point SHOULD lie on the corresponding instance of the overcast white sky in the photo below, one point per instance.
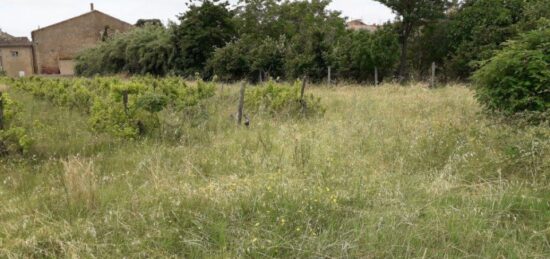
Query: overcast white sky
(20, 17)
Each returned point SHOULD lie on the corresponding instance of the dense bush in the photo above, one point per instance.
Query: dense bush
(517, 78)
(282, 100)
(146, 50)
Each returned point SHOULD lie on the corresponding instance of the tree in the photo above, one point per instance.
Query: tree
(287, 39)
(477, 30)
(411, 14)
(358, 53)
(144, 22)
(230, 63)
(472, 31)
(268, 58)
(202, 29)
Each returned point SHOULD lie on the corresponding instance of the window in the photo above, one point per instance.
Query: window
(15, 53)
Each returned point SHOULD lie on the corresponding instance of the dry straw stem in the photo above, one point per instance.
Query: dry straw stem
(80, 182)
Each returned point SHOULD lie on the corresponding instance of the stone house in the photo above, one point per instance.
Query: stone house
(16, 58)
(56, 46)
(360, 25)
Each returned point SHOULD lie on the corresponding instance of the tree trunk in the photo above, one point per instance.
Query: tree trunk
(403, 72)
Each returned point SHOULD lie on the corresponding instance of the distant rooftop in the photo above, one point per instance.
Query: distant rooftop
(4, 36)
(9, 40)
(358, 24)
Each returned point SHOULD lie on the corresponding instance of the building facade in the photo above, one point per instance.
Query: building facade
(57, 45)
(16, 55)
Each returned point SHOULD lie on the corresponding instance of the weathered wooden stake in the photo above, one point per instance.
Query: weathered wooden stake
(375, 76)
(302, 92)
(432, 81)
(1, 112)
(260, 77)
(125, 101)
(329, 80)
(241, 104)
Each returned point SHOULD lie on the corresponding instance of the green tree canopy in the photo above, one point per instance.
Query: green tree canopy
(411, 14)
(202, 29)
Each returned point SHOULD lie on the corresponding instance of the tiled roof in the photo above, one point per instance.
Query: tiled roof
(8, 40)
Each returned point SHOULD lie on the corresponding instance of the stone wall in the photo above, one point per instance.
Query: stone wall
(23, 61)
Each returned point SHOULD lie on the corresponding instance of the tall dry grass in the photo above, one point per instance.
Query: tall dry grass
(80, 182)
(406, 172)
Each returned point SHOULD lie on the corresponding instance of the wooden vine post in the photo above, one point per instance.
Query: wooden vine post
(241, 104)
(432, 81)
(329, 76)
(375, 76)
(302, 92)
(125, 101)
(1, 111)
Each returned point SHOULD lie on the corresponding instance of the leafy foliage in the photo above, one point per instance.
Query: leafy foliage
(126, 109)
(202, 29)
(13, 139)
(477, 30)
(411, 14)
(472, 32)
(146, 50)
(261, 39)
(517, 79)
(282, 100)
(231, 63)
(280, 39)
(360, 52)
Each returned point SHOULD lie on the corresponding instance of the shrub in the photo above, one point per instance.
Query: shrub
(123, 108)
(517, 78)
(146, 97)
(276, 100)
(13, 139)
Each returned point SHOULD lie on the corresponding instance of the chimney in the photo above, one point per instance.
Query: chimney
(91, 6)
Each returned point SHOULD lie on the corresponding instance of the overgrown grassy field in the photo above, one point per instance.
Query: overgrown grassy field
(386, 172)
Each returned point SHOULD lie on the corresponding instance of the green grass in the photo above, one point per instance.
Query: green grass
(387, 172)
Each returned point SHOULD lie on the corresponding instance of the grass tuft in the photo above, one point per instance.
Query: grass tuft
(80, 183)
